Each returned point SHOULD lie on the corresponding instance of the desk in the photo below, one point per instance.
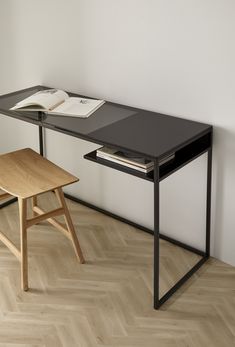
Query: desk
(149, 134)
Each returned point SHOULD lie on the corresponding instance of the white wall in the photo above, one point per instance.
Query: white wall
(175, 57)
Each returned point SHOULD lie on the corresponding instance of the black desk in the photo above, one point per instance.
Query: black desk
(150, 134)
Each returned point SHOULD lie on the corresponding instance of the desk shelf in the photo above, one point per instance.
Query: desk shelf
(182, 157)
(186, 154)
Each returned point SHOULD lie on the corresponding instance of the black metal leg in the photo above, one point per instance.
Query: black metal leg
(206, 255)
(208, 201)
(7, 203)
(41, 149)
(156, 264)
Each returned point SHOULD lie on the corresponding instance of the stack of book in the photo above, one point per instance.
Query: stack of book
(129, 159)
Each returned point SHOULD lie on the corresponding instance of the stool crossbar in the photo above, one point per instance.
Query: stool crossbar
(25, 174)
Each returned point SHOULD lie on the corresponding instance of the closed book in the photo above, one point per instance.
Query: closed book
(126, 157)
(120, 162)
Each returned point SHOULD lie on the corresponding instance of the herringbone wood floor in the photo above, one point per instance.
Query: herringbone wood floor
(108, 300)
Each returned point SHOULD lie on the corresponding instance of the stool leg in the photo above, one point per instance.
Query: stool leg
(69, 223)
(23, 243)
(34, 203)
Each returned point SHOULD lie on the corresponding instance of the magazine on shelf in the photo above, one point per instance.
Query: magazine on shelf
(129, 159)
(131, 166)
(58, 102)
(126, 157)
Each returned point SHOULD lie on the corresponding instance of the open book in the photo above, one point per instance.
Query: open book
(58, 102)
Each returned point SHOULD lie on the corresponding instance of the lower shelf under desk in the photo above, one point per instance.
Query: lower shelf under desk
(182, 157)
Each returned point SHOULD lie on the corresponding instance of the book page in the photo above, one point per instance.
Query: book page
(77, 107)
(47, 99)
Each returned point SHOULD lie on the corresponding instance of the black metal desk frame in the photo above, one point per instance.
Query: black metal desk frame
(189, 141)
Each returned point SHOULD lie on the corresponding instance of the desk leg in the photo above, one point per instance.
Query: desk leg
(7, 203)
(156, 264)
(205, 255)
(41, 149)
(208, 201)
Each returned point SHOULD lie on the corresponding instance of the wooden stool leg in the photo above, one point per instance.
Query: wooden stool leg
(34, 203)
(69, 223)
(23, 243)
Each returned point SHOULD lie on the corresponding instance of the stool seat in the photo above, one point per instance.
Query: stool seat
(25, 173)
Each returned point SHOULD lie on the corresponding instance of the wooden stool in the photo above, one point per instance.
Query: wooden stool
(25, 174)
